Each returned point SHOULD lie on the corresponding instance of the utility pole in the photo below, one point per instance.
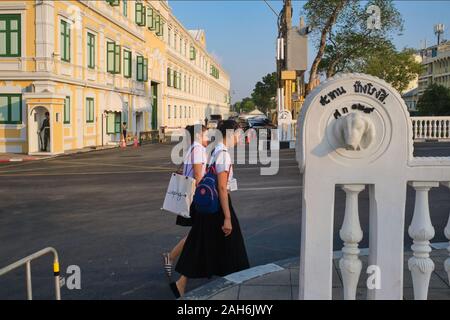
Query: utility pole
(292, 46)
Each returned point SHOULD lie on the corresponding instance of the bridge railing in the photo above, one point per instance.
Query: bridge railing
(431, 128)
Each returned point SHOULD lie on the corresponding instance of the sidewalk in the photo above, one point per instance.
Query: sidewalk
(19, 157)
(279, 281)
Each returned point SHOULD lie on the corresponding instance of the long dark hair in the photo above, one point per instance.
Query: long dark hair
(225, 125)
(192, 130)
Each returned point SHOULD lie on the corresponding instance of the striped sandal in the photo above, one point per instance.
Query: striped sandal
(167, 264)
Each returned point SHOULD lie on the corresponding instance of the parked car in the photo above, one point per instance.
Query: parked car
(257, 123)
(212, 124)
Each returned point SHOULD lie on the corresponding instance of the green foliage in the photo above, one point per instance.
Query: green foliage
(265, 91)
(342, 36)
(435, 101)
(246, 105)
(396, 68)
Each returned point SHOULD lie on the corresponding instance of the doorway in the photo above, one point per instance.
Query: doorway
(154, 87)
(139, 123)
(38, 134)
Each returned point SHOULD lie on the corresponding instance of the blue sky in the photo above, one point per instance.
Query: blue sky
(241, 33)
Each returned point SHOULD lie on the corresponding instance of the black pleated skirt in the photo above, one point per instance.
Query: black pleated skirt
(207, 252)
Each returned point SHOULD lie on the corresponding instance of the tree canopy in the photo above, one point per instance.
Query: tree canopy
(344, 35)
(435, 101)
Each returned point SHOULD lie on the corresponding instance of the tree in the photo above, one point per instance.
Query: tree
(344, 35)
(396, 68)
(246, 105)
(321, 16)
(265, 91)
(435, 101)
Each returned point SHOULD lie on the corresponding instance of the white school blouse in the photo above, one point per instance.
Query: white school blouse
(196, 155)
(222, 158)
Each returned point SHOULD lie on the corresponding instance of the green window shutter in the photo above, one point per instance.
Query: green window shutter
(110, 55)
(65, 41)
(113, 3)
(4, 34)
(127, 64)
(117, 122)
(89, 110)
(161, 28)
(67, 110)
(150, 19)
(10, 35)
(125, 7)
(169, 80)
(140, 68)
(140, 14)
(91, 50)
(145, 69)
(193, 53)
(117, 58)
(157, 23)
(110, 119)
(10, 108)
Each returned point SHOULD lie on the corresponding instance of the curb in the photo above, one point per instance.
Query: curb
(21, 159)
(224, 283)
(81, 151)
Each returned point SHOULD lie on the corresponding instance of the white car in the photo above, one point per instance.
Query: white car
(212, 124)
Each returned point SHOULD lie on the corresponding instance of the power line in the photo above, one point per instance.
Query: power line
(273, 10)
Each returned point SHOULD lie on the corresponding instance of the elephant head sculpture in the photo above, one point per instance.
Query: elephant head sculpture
(355, 131)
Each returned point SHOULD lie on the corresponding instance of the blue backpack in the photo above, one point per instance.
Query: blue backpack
(206, 196)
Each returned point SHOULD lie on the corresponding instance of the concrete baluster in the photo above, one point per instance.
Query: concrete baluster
(351, 234)
(447, 235)
(421, 231)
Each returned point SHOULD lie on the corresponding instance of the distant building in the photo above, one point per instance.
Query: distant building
(411, 97)
(436, 60)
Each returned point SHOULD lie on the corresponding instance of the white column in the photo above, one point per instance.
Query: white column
(386, 237)
(351, 234)
(421, 231)
(447, 235)
(45, 34)
(316, 255)
(101, 52)
(77, 29)
(447, 261)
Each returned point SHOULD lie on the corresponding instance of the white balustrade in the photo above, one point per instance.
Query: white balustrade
(364, 137)
(421, 231)
(431, 128)
(351, 234)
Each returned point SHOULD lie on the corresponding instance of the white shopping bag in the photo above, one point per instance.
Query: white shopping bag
(179, 195)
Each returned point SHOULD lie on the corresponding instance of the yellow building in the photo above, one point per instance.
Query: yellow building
(91, 65)
(197, 86)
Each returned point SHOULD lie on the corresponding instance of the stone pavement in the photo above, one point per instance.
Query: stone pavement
(279, 281)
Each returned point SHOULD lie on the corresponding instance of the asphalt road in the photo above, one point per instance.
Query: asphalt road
(101, 211)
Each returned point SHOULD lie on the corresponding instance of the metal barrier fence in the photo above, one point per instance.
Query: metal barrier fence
(27, 262)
